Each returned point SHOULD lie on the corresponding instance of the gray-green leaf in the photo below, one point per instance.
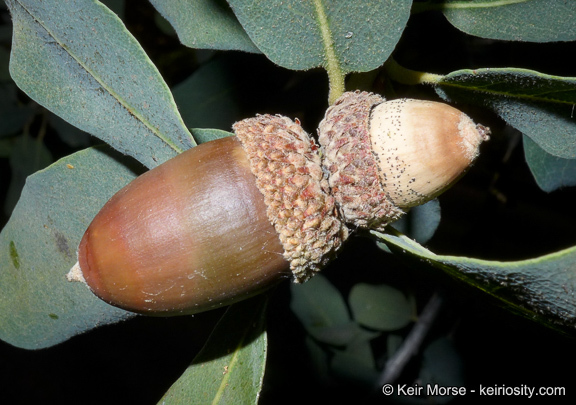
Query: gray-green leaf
(357, 36)
(540, 106)
(550, 172)
(205, 24)
(77, 59)
(230, 367)
(207, 134)
(542, 289)
(514, 20)
(38, 306)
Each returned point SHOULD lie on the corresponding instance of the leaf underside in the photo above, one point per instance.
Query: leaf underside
(514, 20)
(230, 367)
(77, 59)
(541, 289)
(357, 36)
(38, 306)
(540, 106)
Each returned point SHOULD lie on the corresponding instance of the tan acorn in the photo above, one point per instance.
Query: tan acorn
(384, 157)
(217, 224)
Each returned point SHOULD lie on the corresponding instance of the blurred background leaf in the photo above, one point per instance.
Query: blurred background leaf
(68, 133)
(323, 312)
(421, 221)
(207, 98)
(202, 135)
(13, 115)
(441, 366)
(381, 307)
(355, 363)
(550, 172)
(27, 156)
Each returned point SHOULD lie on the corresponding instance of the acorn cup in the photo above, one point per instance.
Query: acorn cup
(217, 224)
(231, 218)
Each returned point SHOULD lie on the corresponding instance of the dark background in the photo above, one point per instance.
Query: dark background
(496, 212)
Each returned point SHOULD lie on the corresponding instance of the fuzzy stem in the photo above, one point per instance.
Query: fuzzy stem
(335, 73)
(336, 82)
(407, 76)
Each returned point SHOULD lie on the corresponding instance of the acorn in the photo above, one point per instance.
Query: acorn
(384, 157)
(219, 223)
(231, 218)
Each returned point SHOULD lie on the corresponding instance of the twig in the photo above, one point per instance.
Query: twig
(411, 345)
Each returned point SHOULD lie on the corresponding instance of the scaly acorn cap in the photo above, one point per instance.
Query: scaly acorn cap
(384, 157)
(353, 169)
(287, 167)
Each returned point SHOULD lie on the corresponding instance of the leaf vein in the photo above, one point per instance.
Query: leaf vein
(123, 102)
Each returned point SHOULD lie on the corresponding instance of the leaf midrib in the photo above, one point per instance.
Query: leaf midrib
(132, 111)
(483, 89)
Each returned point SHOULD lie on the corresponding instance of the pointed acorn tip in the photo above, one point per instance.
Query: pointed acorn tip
(75, 274)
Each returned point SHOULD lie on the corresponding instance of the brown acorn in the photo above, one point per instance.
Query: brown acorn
(217, 224)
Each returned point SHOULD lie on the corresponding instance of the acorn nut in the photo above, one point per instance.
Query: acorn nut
(384, 157)
(230, 218)
(217, 224)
